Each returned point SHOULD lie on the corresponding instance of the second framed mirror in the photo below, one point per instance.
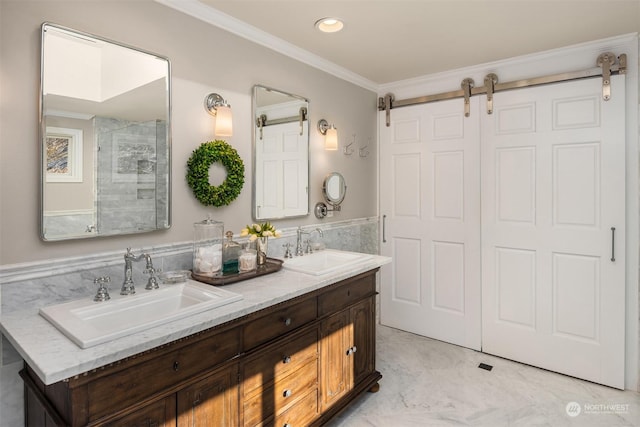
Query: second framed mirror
(280, 154)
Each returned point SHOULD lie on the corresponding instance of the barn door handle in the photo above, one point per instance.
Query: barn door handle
(384, 229)
(613, 244)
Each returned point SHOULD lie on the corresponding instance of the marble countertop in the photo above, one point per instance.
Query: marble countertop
(54, 357)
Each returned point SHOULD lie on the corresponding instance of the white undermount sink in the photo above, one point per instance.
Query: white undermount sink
(325, 261)
(88, 323)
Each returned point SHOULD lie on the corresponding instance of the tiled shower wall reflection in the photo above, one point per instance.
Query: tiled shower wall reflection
(130, 198)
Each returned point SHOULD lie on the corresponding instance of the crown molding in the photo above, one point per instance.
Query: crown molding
(240, 28)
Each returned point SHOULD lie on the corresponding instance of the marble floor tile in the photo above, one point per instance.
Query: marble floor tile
(11, 403)
(430, 383)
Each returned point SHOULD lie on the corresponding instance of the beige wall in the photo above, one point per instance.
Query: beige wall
(204, 59)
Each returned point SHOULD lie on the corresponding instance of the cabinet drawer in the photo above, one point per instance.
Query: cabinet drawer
(301, 414)
(346, 294)
(279, 322)
(281, 395)
(161, 413)
(111, 393)
(277, 362)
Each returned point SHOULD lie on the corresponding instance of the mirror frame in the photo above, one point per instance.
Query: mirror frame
(343, 189)
(42, 132)
(254, 208)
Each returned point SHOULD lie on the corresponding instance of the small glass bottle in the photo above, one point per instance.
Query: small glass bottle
(247, 259)
(230, 254)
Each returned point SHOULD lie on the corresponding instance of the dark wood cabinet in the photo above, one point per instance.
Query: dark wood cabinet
(299, 362)
(335, 361)
(160, 413)
(362, 317)
(212, 401)
(347, 350)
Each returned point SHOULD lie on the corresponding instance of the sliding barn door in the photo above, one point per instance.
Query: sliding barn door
(553, 229)
(429, 197)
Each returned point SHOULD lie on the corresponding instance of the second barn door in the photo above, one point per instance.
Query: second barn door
(553, 229)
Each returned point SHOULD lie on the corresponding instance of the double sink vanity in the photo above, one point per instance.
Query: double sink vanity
(292, 348)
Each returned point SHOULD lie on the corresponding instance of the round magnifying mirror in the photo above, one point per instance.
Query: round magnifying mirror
(334, 188)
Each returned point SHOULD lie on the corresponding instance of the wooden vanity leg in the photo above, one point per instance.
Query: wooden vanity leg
(374, 388)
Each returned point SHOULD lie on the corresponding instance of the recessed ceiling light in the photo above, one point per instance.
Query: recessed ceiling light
(329, 25)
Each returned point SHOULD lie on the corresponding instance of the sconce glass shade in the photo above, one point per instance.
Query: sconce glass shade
(224, 121)
(331, 139)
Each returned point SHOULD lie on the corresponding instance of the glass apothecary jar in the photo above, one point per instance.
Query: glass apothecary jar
(207, 247)
(247, 260)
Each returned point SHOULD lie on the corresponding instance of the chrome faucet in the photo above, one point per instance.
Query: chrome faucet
(128, 287)
(299, 250)
(320, 234)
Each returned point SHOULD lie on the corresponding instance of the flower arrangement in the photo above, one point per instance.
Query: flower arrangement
(254, 231)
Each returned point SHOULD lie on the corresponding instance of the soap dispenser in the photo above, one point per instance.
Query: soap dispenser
(230, 254)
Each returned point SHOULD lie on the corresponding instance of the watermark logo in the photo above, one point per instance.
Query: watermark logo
(573, 409)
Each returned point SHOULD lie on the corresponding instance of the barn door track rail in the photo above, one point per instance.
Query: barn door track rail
(262, 120)
(607, 65)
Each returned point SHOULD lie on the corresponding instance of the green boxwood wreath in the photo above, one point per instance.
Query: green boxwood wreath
(198, 173)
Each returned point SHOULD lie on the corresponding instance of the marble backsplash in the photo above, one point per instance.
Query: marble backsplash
(55, 281)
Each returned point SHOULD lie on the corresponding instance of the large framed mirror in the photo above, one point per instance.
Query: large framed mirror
(280, 154)
(105, 132)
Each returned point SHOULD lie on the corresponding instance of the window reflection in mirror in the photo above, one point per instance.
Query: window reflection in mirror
(105, 127)
(280, 153)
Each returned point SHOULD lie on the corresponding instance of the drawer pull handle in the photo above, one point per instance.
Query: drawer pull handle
(287, 321)
(175, 366)
(286, 425)
(287, 393)
(286, 359)
(352, 350)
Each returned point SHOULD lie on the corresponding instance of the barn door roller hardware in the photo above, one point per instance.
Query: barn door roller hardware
(606, 61)
(384, 104)
(490, 82)
(607, 66)
(467, 85)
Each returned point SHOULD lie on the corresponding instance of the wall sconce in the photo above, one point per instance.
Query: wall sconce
(218, 107)
(330, 135)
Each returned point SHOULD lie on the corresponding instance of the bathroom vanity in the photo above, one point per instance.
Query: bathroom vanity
(295, 352)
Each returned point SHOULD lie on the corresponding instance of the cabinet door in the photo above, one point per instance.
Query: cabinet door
(364, 336)
(335, 362)
(161, 413)
(211, 402)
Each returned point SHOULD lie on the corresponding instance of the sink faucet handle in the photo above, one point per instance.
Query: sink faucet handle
(103, 293)
(287, 252)
(152, 283)
(308, 250)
